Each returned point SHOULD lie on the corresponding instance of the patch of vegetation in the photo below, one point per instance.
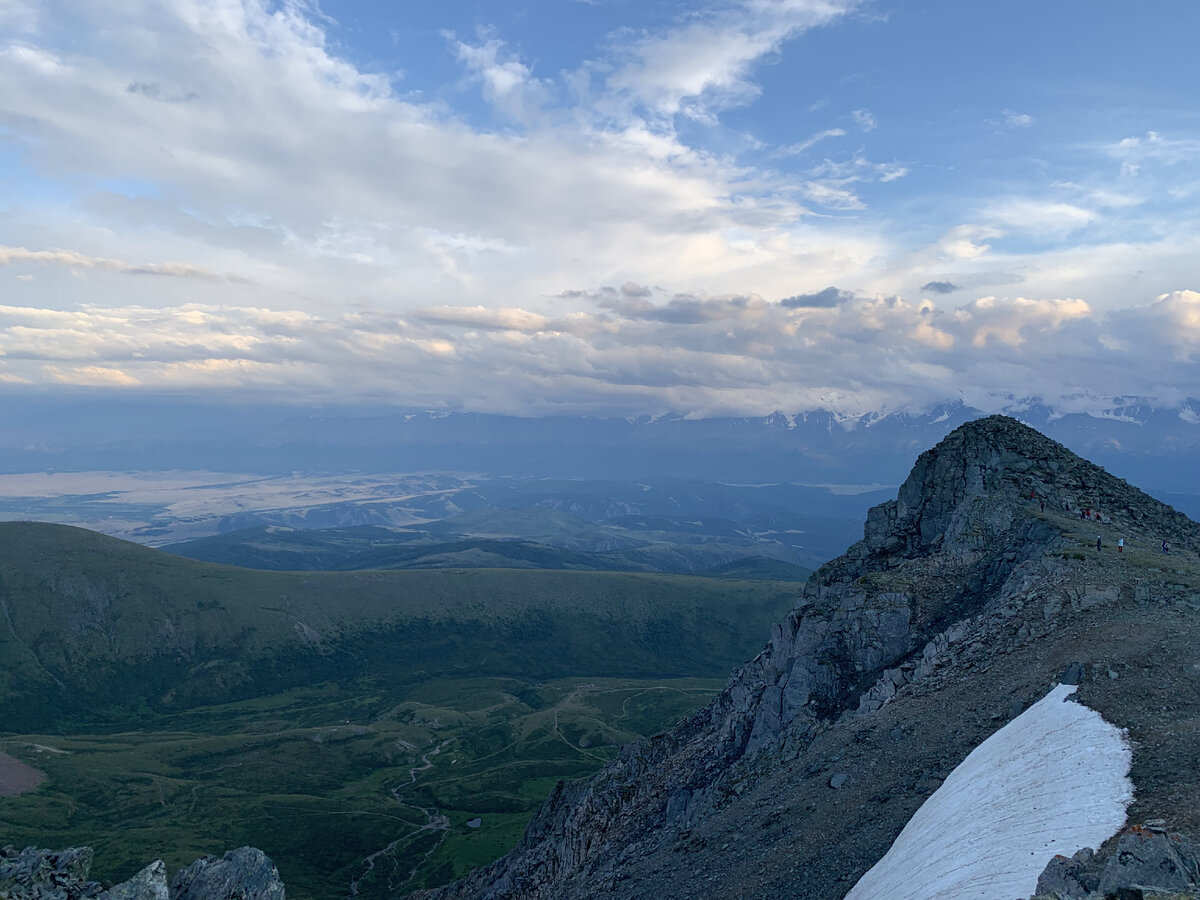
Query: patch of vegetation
(100, 632)
(341, 784)
(373, 732)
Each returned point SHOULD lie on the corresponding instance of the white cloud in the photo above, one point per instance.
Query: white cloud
(810, 141)
(1134, 152)
(703, 64)
(620, 350)
(1043, 217)
(1014, 119)
(508, 84)
(273, 159)
(865, 119)
(318, 225)
(71, 260)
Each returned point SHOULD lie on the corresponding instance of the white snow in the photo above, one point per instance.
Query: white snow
(1053, 780)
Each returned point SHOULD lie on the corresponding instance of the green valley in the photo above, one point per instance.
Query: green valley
(372, 731)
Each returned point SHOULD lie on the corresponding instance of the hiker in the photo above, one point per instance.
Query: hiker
(1166, 547)
(1121, 545)
(1097, 542)
(1043, 504)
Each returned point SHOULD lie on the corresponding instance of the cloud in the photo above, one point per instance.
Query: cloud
(71, 260)
(810, 141)
(263, 153)
(1135, 152)
(485, 317)
(831, 183)
(708, 355)
(831, 296)
(702, 65)
(1008, 321)
(318, 224)
(1015, 119)
(865, 119)
(940, 287)
(1041, 217)
(508, 84)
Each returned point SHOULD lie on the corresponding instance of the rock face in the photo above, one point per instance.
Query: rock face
(32, 874)
(969, 595)
(243, 873)
(46, 874)
(148, 884)
(1144, 861)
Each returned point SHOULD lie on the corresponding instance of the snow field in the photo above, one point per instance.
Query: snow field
(1053, 780)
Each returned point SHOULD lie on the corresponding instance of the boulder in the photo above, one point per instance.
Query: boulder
(242, 874)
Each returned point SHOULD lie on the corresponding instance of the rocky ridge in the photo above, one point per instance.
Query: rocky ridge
(969, 595)
(33, 874)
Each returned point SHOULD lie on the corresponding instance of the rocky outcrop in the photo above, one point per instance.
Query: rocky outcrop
(974, 557)
(243, 873)
(148, 884)
(1144, 861)
(33, 874)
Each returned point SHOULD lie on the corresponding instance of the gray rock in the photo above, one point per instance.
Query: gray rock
(1072, 674)
(1068, 878)
(838, 780)
(242, 874)
(1142, 862)
(148, 884)
(33, 874)
(1147, 859)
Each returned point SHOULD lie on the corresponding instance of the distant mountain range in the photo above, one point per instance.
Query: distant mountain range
(1149, 444)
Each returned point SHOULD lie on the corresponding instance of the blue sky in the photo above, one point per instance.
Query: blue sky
(602, 206)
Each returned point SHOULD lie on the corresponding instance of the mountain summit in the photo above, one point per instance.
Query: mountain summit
(994, 575)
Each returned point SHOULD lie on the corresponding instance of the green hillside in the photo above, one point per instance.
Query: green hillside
(94, 627)
(381, 729)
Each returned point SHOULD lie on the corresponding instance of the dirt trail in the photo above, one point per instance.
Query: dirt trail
(434, 821)
(16, 777)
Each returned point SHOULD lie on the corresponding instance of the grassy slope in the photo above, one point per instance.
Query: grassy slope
(333, 717)
(485, 541)
(322, 777)
(90, 622)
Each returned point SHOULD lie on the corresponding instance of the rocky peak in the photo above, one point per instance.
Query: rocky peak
(987, 524)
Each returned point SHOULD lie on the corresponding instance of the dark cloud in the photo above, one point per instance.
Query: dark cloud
(831, 296)
(940, 287)
(632, 289)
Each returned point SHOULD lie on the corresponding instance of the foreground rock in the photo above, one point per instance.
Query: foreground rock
(1143, 863)
(971, 594)
(46, 874)
(33, 874)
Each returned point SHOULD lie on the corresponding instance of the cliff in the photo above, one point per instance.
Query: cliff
(971, 593)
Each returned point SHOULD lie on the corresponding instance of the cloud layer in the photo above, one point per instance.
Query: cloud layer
(220, 194)
(630, 348)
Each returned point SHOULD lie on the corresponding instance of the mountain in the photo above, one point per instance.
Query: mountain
(971, 596)
(1136, 438)
(93, 628)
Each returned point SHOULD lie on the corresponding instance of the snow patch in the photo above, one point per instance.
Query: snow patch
(1053, 780)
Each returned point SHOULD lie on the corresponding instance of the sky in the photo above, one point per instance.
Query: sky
(602, 206)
